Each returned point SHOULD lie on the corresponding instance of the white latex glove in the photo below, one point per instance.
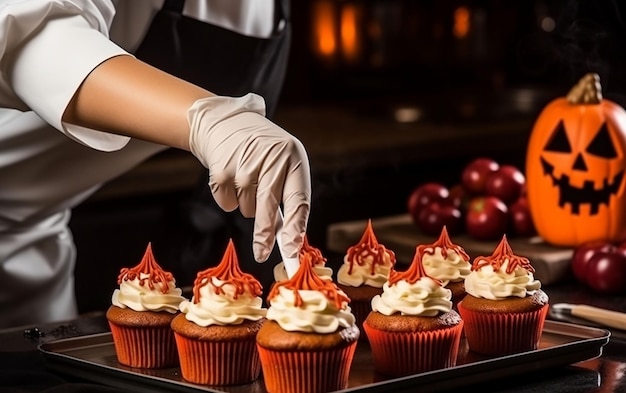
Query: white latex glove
(254, 165)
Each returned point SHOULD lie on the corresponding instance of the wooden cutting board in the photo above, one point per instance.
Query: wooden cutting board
(399, 234)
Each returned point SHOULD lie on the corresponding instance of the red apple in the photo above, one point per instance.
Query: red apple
(474, 175)
(487, 218)
(606, 272)
(459, 197)
(584, 252)
(507, 183)
(433, 217)
(425, 194)
(598, 265)
(521, 220)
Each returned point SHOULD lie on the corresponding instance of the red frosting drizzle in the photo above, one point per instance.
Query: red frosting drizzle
(501, 254)
(317, 259)
(414, 272)
(228, 272)
(369, 246)
(305, 278)
(446, 246)
(149, 266)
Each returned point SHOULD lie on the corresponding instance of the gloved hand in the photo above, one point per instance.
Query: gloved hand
(254, 165)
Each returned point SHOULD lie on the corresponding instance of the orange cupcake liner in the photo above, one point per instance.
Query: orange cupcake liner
(218, 362)
(145, 347)
(306, 372)
(503, 333)
(405, 353)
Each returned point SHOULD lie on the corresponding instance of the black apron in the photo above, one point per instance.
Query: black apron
(226, 63)
(222, 61)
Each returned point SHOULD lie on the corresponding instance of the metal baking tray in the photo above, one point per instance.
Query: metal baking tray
(92, 358)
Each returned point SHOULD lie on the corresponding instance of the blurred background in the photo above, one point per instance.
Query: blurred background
(385, 94)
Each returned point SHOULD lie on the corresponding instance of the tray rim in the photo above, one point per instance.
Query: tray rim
(589, 345)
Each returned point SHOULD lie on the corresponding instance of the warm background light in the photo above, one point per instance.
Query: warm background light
(461, 22)
(349, 32)
(324, 28)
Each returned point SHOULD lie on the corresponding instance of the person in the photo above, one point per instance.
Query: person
(79, 106)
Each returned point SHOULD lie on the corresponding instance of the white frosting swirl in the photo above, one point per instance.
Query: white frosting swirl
(280, 274)
(425, 298)
(489, 284)
(316, 313)
(223, 308)
(451, 268)
(362, 271)
(139, 297)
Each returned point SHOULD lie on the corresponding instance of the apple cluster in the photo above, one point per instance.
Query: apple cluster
(487, 202)
(601, 266)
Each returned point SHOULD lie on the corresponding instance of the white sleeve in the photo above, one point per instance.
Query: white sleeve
(47, 49)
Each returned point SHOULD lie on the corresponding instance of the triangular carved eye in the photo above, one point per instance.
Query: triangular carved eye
(602, 144)
(558, 141)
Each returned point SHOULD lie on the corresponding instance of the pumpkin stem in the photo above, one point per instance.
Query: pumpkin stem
(586, 91)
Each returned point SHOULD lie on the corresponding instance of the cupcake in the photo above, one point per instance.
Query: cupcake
(141, 312)
(317, 259)
(412, 327)
(215, 331)
(504, 309)
(365, 269)
(447, 262)
(308, 341)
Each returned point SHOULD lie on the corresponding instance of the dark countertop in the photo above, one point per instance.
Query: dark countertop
(24, 369)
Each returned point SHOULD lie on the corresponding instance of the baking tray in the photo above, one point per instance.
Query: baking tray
(92, 358)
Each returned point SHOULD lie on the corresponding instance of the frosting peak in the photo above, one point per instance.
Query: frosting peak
(148, 272)
(366, 263)
(147, 287)
(228, 273)
(224, 295)
(306, 279)
(317, 259)
(445, 260)
(447, 246)
(368, 246)
(501, 275)
(414, 272)
(502, 254)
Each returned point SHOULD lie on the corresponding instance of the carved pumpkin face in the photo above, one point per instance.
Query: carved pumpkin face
(575, 166)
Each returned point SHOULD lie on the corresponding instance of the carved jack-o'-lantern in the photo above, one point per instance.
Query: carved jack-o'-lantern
(575, 163)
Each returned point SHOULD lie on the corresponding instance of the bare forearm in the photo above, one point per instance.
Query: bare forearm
(126, 96)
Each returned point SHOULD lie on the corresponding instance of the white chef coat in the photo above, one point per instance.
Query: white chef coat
(47, 48)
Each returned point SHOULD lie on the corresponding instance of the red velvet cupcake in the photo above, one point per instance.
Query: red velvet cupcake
(308, 341)
(412, 327)
(449, 263)
(364, 271)
(216, 331)
(140, 316)
(504, 309)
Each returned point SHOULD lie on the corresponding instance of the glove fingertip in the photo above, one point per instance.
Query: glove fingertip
(261, 253)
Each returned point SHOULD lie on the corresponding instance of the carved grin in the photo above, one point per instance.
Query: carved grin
(587, 194)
